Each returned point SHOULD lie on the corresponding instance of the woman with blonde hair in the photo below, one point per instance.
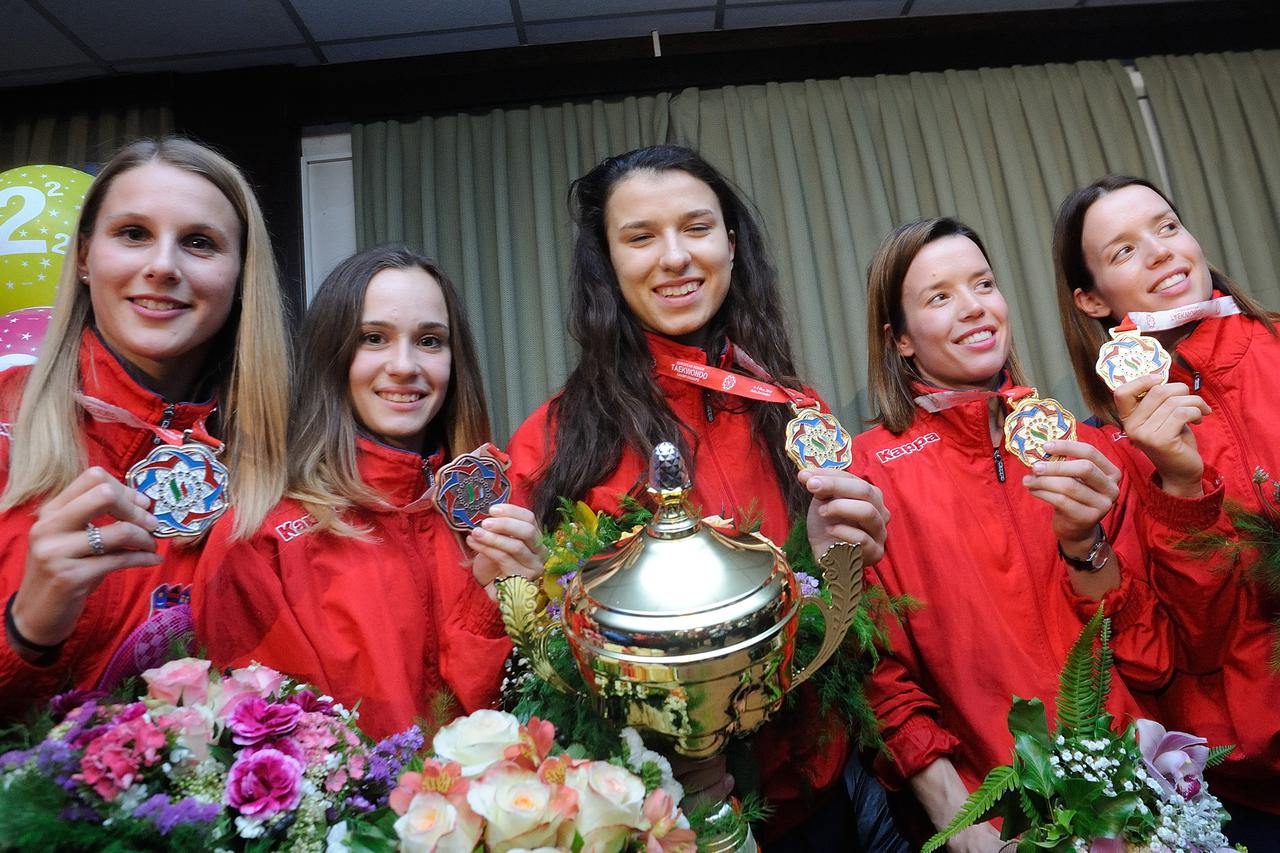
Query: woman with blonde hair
(1007, 555)
(356, 581)
(167, 346)
(1124, 259)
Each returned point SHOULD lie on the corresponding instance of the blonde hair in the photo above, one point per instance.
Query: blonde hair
(889, 374)
(323, 474)
(1085, 334)
(250, 372)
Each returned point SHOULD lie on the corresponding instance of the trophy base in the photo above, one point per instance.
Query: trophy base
(737, 842)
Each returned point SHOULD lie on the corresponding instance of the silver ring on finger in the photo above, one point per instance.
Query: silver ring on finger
(95, 539)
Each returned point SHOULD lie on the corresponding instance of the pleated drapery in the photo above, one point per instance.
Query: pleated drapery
(77, 139)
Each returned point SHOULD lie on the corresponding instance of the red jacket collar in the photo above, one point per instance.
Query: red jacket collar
(399, 476)
(104, 377)
(965, 419)
(662, 346)
(1218, 344)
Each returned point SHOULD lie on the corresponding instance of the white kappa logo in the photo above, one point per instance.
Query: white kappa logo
(891, 453)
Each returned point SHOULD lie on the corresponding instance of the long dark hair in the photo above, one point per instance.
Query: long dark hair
(322, 438)
(889, 374)
(611, 401)
(1086, 334)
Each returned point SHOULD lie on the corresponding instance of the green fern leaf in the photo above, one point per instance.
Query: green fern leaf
(1218, 754)
(1078, 702)
(999, 782)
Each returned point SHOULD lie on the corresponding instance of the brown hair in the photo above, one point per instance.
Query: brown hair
(1085, 334)
(889, 374)
(323, 473)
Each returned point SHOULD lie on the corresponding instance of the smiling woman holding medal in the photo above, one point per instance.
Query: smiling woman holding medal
(373, 578)
(1200, 384)
(173, 297)
(1010, 522)
(675, 304)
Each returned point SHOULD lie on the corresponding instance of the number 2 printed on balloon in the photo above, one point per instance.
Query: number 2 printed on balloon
(39, 209)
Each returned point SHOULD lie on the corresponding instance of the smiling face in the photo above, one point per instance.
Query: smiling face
(1140, 256)
(671, 251)
(399, 376)
(956, 320)
(161, 264)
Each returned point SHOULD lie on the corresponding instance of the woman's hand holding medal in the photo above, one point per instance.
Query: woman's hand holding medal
(68, 556)
(1081, 487)
(506, 543)
(845, 509)
(1157, 416)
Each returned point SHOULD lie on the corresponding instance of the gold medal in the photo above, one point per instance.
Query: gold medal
(1130, 355)
(815, 439)
(1032, 423)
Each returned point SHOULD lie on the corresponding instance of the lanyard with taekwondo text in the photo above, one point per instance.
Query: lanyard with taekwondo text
(814, 438)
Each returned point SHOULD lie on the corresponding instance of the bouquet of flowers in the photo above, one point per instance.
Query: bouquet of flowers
(1086, 787)
(249, 761)
(496, 785)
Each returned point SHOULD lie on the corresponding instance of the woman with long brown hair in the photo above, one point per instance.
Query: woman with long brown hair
(356, 582)
(1125, 259)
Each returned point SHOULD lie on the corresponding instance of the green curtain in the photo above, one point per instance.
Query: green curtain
(485, 196)
(79, 138)
(1219, 121)
(833, 165)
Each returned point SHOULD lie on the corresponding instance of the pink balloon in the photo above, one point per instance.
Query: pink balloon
(21, 332)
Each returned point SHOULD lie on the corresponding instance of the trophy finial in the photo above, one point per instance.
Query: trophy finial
(667, 472)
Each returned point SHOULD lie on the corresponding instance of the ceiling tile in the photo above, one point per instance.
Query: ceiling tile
(541, 10)
(27, 40)
(191, 63)
(340, 19)
(971, 7)
(122, 30)
(622, 26)
(387, 48)
(780, 14)
(43, 76)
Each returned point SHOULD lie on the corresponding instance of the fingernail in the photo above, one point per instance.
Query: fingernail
(1038, 467)
(817, 482)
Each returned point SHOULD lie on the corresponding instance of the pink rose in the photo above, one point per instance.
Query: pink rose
(256, 680)
(610, 799)
(434, 822)
(255, 720)
(520, 809)
(192, 729)
(179, 682)
(264, 784)
(112, 761)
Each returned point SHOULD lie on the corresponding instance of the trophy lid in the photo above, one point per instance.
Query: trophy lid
(682, 574)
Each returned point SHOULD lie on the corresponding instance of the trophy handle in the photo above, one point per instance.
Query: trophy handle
(842, 570)
(528, 627)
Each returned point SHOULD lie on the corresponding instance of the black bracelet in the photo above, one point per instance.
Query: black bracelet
(43, 655)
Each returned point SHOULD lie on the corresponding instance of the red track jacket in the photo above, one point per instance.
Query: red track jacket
(732, 474)
(998, 614)
(1225, 689)
(125, 598)
(392, 619)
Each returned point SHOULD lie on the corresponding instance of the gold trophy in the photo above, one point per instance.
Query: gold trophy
(686, 630)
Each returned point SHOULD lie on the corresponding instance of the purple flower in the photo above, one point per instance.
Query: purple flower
(14, 758)
(287, 745)
(1174, 759)
(265, 783)
(255, 720)
(64, 703)
(166, 815)
(308, 701)
(808, 583)
(58, 761)
(79, 813)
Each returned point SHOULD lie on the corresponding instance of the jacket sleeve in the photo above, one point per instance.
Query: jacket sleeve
(241, 610)
(530, 448)
(908, 716)
(473, 643)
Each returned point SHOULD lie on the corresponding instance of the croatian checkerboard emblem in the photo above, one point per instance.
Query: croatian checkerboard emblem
(467, 487)
(187, 486)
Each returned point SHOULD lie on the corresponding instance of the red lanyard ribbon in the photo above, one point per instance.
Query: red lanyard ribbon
(940, 401)
(758, 386)
(105, 412)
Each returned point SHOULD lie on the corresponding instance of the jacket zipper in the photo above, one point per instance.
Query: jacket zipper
(166, 418)
(999, 460)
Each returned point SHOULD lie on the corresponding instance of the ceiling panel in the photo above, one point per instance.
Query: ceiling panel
(759, 14)
(27, 40)
(41, 76)
(191, 63)
(587, 29)
(340, 19)
(958, 7)
(388, 48)
(534, 10)
(135, 29)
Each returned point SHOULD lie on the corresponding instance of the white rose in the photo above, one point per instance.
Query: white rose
(521, 810)
(610, 800)
(476, 741)
(435, 823)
